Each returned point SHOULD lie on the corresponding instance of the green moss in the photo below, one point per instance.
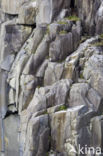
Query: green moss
(45, 113)
(47, 57)
(38, 87)
(47, 154)
(84, 38)
(81, 76)
(98, 44)
(47, 31)
(62, 22)
(73, 18)
(62, 108)
(49, 138)
(63, 32)
(101, 36)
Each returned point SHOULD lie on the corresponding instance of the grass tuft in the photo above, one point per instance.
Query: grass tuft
(73, 18)
(62, 108)
(62, 22)
(63, 32)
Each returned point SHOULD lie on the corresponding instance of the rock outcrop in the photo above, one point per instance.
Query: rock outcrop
(51, 77)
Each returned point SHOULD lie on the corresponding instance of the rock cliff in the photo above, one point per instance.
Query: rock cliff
(51, 77)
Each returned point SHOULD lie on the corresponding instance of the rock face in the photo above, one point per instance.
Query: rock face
(51, 77)
(91, 13)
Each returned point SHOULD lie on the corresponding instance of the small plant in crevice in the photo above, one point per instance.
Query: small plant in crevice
(99, 43)
(101, 36)
(63, 32)
(84, 38)
(47, 31)
(47, 154)
(38, 87)
(46, 113)
(62, 22)
(73, 18)
(81, 75)
(62, 108)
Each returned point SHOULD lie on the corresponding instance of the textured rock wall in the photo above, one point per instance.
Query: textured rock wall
(51, 77)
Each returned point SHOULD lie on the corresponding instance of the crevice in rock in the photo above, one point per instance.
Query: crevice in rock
(72, 4)
(11, 113)
(73, 8)
(10, 17)
(33, 26)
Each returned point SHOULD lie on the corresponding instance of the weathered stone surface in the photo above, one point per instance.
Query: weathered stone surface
(21, 69)
(12, 38)
(69, 38)
(64, 133)
(3, 94)
(97, 131)
(37, 140)
(27, 13)
(93, 71)
(10, 6)
(57, 91)
(6, 64)
(50, 10)
(53, 73)
(57, 49)
(87, 11)
(99, 19)
(78, 94)
(11, 133)
(50, 96)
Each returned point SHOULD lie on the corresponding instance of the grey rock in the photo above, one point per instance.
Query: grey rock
(6, 64)
(50, 96)
(27, 13)
(88, 10)
(53, 73)
(11, 129)
(78, 94)
(57, 49)
(50, 10)
(63, 133)
(38, 132)
(13, 37)
(97, 126)
(93, 71)
(10, 7)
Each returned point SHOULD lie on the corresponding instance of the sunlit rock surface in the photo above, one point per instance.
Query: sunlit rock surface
(51, 77)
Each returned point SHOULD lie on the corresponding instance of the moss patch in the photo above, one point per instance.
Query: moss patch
(99, 43)
(62, 22)
(73, 18)
(47, 31)
(101, 36)
(84, 38)
(81, 76)
(63, 32)
(62, 108)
